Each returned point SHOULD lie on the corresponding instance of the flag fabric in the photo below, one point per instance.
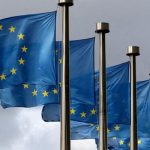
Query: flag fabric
(119, 134)
(81, 130)
(27, 60)
(29, 94)
(121, 140)
(78, 112)
(143, 103)
(124, 143)
(117, 86)
(81, 66)
(117, 93)
(81, 55)
(114, 131)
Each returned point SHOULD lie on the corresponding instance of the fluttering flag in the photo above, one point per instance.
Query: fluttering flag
(27, 60)
(143, 104)
(124, 144)
(118, 100)
(119, 134)
(29, 94)
(117, 93)
(81, 70)
(81, 73)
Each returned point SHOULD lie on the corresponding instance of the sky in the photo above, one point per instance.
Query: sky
(22, 128)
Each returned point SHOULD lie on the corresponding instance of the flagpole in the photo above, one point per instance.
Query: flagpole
(65, 96)
(132, 52)
(102, 29)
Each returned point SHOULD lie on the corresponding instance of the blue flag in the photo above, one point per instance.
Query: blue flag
(27, 60)
(143, 105)
(81, 56)
(124, 143)
(81, 130)
(117, 93)
(117, 86)
(143, 97)
(119, 134)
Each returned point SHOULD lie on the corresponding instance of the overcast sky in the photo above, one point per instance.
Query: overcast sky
(23, 129)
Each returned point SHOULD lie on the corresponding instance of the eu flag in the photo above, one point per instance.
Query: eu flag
(81, 56)
(124, 143)
(81, 70)
(117, 87)
(143, 102)
(117, 93)
(143, 106)
(119, 134)
(27, 59)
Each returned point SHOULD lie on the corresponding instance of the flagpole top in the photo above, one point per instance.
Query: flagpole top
(102, 27)
(133, 51)
(65, 2)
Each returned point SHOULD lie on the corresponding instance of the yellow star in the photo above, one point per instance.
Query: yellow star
(21, 36)
(139, 141)
(34, 93)
(97, 128)
(72, 111)
(93, 111)
(108, 131)
(55, 91)
(1, 27)
(13, 71)
(117, 127)
(45, 93)
(83, 115)
(114, 138)
(21, 61)
(24, 49)
(12, 29)
(3, 76)
(60, 61)
(121, 142)
(25, 86)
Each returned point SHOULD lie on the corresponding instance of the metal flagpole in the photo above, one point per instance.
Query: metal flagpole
(102, 29)
(65, 98)
(133, 51)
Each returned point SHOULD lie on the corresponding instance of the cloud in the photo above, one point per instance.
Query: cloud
(24, 129)
(83, 145)
(9, 128)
